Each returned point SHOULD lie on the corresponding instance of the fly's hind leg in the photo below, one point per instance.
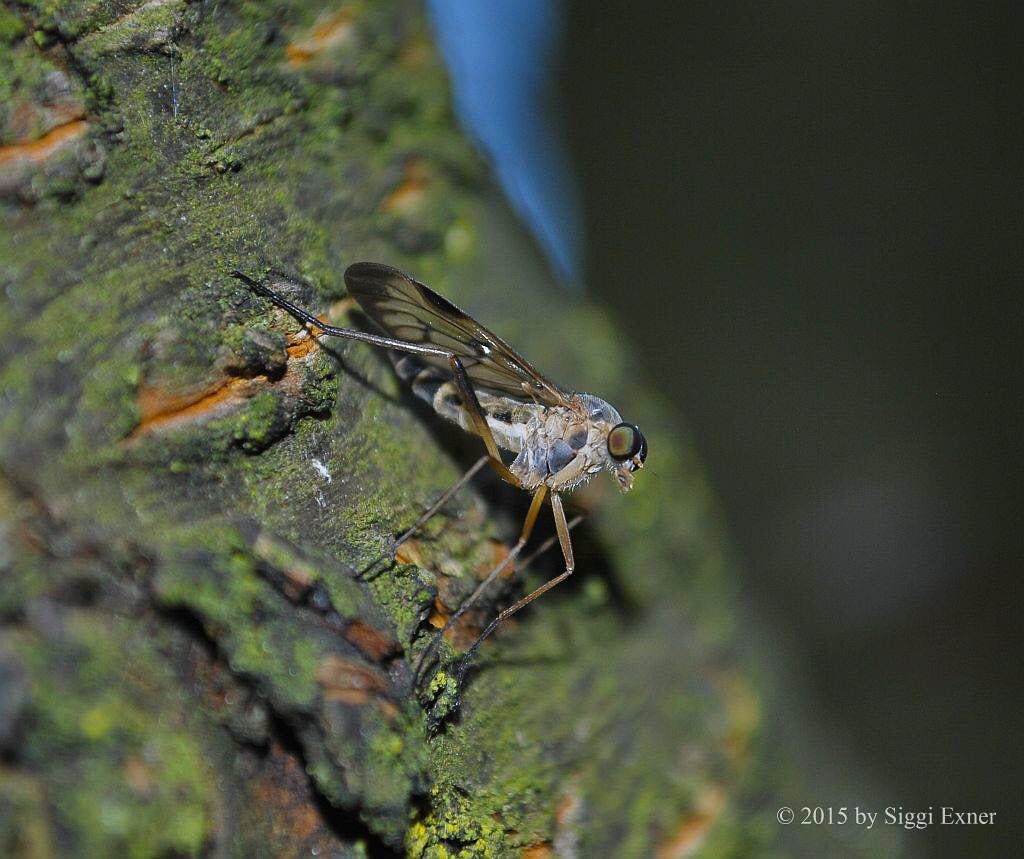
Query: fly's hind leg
(459, 374)
(549, 542)
(562, 528)
(429, 513)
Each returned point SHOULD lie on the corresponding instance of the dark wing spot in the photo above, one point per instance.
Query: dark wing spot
(439, 302)
(578, 439)
(504, 417)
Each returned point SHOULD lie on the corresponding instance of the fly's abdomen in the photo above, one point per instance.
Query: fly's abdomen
(505, 417)
(432, 385)
(424, 380)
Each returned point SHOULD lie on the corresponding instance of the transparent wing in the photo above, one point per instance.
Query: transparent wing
(412, 311)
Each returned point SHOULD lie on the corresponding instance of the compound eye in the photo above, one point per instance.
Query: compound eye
(625, 442)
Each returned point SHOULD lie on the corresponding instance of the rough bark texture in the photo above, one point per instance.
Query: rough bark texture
(189, 662)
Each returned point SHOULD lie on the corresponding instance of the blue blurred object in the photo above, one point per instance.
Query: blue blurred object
(499, 55)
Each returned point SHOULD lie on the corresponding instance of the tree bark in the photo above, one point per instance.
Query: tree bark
(195, 658)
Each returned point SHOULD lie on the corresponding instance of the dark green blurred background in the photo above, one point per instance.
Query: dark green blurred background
(809, 219)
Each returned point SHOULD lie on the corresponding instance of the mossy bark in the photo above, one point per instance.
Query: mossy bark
(190, 661)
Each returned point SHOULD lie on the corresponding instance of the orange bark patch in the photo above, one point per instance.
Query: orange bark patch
(329, 32)
(352, 682)
(439, 616)
(282, 790)
(569, 807)
(45, 146)
(689, 835)
(541, 850)
(410, 552)
(138, 775)
(499, 552)
(27, 121)
(301, 348)
(372, 642)
(465, 631)
(162, 408)
(411, 192)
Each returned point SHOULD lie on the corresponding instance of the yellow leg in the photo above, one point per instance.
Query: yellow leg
(524, 535)
(562, 527)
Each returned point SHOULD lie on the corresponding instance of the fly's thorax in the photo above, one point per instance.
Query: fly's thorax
(598, 411)
(561, 448)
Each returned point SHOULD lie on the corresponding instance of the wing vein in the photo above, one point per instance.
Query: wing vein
(411, 311)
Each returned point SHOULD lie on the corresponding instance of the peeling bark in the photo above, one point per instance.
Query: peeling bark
(194, 661)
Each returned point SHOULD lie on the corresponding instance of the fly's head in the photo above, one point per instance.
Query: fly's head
(627, 449)
(624, 448)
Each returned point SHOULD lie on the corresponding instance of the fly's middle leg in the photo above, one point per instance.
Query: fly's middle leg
(562, 529)
(528, 523)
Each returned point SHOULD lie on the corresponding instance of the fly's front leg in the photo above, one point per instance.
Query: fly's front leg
(476, 413)
(549, 542)
(524, 535)
(562, 527)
